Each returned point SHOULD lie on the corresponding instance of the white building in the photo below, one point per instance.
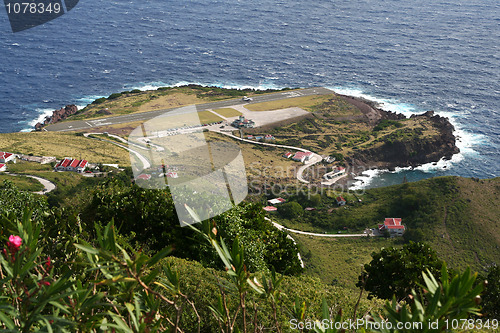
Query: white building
(7, 157)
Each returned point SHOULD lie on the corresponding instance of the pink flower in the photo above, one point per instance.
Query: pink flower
(48, 263)
(14, 243)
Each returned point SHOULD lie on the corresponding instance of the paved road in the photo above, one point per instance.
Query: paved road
(145, 162)
(281, 227)
(144, 116)
(314, 159)
(47, 184)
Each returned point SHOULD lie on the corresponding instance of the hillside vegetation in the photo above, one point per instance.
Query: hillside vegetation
(458, 217)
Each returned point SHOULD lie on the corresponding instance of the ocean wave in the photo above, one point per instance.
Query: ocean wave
(365, 178)
(42, 114)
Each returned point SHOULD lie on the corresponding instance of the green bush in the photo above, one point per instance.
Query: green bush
(290, 209)
(115, 95)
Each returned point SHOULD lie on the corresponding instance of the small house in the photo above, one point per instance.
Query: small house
(276, 201)
(250, 137)
(393, 225)
(7, 157)
(3, 167)
(270, 209)
(341, 201)
(302, 156)
(269, 137)
(144, 176)
(287, 155)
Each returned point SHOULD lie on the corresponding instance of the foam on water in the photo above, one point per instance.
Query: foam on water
(365, 178)
(42, 114)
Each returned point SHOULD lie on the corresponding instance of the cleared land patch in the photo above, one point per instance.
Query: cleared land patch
(63, 145)
(208, 117)
(305, 102)
(338, 261)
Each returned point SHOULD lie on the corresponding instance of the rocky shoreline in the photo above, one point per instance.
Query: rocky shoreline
(403, 153)
(57, 115)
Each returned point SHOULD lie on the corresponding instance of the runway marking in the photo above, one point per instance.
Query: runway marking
(88, 123)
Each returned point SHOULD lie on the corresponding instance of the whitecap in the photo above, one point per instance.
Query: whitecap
(365, 178)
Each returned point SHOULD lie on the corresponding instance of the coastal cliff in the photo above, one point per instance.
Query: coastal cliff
(404, 148)
(57, 115)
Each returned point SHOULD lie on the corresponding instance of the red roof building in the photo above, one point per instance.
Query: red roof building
(69, 164)
(3, 167)
(144, 176)
(6, 157)
(270, 209)
(302, 156)
(393, 225)
(341, 201)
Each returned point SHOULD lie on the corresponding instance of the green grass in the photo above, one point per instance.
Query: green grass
(338, 261)
(23, 183)
(228, 112)
(207, 117)
(305, 102)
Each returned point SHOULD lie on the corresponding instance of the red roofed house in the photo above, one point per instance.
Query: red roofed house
(6, 157)
(270, 209)
(393, 225)
(302, 156)
(144, 176)
(287, 155)
(341, 201)
(276, 201)
(69, 164)
(3, 167)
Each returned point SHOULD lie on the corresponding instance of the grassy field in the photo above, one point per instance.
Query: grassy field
(228, 112)
(23, 183)
(63, 145)
(305, 102)
(264, 165)
(207, 117)
(338, 260)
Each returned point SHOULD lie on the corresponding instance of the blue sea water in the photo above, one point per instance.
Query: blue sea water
(411, 56)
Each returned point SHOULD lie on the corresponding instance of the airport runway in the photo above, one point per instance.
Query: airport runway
(79, 125)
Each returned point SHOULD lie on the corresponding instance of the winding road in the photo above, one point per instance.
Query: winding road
(281, 227)
(313, 160)
(47, 184)
(145, 162)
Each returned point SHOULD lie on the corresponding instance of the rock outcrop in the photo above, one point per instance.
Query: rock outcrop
(413, 150)
(57, 115)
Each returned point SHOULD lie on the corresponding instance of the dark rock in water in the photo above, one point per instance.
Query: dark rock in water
(57, 115)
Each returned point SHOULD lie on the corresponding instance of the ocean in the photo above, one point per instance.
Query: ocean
(409, 56)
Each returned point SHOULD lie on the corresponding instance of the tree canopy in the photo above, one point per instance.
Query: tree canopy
(396, 271)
